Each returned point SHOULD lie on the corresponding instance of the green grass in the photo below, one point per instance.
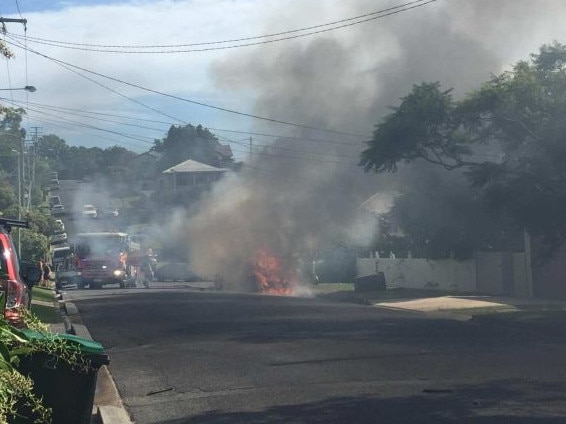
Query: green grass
(47, 313)
(43, 294)
(333, 287)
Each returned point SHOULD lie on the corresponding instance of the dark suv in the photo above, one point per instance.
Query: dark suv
(15, 282)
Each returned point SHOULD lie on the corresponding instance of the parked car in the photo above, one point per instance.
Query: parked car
(60, 226)
(175, 271)
(54, 184)
(58, 238)
(58, 210)
(54, 200)
(59, 255)
(16, 280)
(111, 212)
(89, 211)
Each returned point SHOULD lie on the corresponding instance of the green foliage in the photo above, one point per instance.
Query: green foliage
(34, 245)
(8, 198)
(40, 222)
(117, 157)
(16, 390)
(189, 142)
(422, 127)
(17, 399)
(517, 118)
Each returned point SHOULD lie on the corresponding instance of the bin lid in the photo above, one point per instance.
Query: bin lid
(86, 345)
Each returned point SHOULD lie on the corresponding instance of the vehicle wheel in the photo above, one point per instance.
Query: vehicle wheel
(122, 285)
(81, 285)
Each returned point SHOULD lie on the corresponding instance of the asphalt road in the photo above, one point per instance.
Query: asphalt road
(74, 195)
(183, 355)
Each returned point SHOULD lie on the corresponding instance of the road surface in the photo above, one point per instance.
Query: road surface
(182, 354)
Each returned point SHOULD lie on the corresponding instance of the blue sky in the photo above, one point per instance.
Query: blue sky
(72, 82)
(91, 94)
(27, 6)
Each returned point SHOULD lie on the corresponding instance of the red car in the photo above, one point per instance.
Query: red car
(15, 281)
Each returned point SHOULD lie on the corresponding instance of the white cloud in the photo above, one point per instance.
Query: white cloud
(508, 31)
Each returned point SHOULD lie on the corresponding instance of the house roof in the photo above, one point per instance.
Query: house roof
(190, 165)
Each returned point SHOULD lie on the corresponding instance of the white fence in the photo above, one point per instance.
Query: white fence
(489, 273)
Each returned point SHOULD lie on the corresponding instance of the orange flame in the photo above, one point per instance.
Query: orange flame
(270, 276)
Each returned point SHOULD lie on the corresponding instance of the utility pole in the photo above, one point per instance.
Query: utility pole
(19, 202)
(20, 21)
(3, 21)
(31, 167)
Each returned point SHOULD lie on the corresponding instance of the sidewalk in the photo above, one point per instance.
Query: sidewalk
(471, 304)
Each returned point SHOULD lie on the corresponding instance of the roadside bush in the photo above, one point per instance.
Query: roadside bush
(18, 400)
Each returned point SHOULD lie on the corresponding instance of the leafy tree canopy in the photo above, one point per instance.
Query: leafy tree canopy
(189, 142)
(509, 137)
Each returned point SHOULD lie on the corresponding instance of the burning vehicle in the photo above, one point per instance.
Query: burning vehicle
(283, 275)
(271, 275)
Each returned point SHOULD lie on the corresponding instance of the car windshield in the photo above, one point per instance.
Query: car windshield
(58, 254)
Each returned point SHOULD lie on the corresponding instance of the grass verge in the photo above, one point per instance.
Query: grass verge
(43, 306)
(345, 292)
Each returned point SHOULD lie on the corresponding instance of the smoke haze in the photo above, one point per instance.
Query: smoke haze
(297, 194)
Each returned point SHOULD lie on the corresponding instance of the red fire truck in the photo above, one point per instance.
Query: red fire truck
(102, 258)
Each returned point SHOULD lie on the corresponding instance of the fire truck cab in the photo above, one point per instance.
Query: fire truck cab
(102, 258)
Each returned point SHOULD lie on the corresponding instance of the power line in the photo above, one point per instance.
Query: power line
(279, 156)
(312, 30)
(262, 152)
(249, 115)
(317, 140)
(90, 112)
(265, 148)
(117, 142)
(87, 114)
(80, 124)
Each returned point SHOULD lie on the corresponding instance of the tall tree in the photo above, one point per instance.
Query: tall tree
(189, 142)
(509, 137)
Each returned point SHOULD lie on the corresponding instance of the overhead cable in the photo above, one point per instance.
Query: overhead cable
(244, 42)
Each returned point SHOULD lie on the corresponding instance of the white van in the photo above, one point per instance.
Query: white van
(59, 255)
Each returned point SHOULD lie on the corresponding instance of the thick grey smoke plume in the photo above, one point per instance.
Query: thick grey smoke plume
(298, 194)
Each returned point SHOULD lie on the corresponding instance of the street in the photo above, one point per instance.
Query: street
(180, 353)
(74, 195)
